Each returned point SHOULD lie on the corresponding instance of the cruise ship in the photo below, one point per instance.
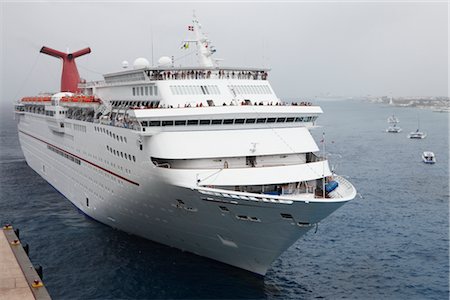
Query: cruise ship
(206, 159)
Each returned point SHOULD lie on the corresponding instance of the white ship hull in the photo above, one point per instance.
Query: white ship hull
(206, 159)
(142, 201)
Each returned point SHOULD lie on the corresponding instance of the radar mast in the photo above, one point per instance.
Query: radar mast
(204, 48)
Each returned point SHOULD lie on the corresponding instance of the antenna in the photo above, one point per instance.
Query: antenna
(70, 77)
(151, 36)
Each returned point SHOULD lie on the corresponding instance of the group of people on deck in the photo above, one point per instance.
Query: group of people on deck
(206, 74)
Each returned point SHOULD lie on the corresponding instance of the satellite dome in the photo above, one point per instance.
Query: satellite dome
(140, 63)
(164, 61)
(124, 64)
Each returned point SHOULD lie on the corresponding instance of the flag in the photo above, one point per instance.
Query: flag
(185, 46)
(191, 28)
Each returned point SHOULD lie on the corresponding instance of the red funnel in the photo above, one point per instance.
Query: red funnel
(70, 77)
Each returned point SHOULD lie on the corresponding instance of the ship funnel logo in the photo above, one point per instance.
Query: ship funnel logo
(70, 77)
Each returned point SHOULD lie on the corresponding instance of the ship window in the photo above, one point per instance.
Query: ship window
(250, 121)
(134, 158)
(228, 121)
(124, 139)
(286, 216)
(155, 123)
(167, 123)
(87, 202)
(290, 120)
(224, 209)
(121, 154)
(134, 91)
(192, 122)
(142, 91)
(281, 120)
(261, 120)
(180, 123)
(144, 123)
(270, 120)
(195, 90)
(205, 122)
(298, 119)
(146, 90)
(216, 122)
(239, 121)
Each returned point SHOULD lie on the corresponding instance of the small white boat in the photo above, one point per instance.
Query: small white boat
(428, 157)
(393, 128)
(417, 134)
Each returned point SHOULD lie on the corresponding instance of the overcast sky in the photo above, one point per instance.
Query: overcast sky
(313, 49)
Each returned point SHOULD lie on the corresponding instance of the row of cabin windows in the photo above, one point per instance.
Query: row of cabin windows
(148, 90)
(228, 121)
(250, 89)
(119, 138)
(52, 113)
(153, 104)
(121, 154)
(78, 127)
(194, 89)
(64, 154)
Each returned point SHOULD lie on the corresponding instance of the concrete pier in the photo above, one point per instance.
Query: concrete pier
(18, 278)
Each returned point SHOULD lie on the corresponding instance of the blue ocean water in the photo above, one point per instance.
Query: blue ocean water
(391, 243)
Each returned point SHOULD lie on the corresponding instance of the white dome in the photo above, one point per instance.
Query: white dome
(164, 61)
(140, 63)
(124, 64)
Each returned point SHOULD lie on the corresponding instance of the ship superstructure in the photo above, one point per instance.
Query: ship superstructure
(206, 159)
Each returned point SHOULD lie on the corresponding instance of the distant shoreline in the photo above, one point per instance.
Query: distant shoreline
(438, 104)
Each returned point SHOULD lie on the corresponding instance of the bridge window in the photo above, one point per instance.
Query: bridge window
(167, 123)
(180, 123)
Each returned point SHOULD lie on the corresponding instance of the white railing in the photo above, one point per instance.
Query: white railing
(344, 189)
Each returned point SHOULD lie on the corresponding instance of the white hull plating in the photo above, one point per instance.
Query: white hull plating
(139, 198)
